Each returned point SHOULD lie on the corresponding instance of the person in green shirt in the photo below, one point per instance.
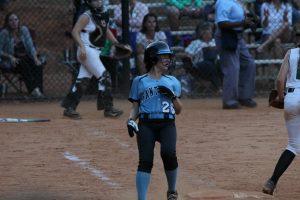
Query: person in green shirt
(179, 8)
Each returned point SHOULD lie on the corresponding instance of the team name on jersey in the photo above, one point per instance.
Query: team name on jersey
(149, 93)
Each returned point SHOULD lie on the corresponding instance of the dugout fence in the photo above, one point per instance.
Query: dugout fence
(51, 21)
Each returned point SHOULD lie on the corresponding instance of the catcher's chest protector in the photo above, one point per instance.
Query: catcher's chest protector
(98, 37)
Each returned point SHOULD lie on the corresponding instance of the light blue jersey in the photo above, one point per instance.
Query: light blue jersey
(230, 11)
(144, 91)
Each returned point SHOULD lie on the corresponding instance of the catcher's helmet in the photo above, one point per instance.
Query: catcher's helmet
(152, 52)
(94, 10)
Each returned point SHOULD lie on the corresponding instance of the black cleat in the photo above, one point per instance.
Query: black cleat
(113, 112)
(248, 103)
(71, 113)
(269, 187)
(172, 195)
(232, 106)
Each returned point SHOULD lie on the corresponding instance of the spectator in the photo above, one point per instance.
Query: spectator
(236, 62)
(179, 8)
(276, 21)
(137, 11)
(149, 33)
(17, 48)
(203, 55)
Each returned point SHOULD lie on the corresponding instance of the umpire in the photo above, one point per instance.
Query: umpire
(236, 62)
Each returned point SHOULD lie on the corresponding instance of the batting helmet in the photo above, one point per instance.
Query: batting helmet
(152, 52)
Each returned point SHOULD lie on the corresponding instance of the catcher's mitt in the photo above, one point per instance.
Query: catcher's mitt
(121, 51)
(274, 101)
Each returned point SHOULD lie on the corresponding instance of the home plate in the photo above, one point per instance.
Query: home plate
(220, 194)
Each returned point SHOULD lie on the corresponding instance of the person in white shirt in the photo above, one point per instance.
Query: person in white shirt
(276, 21)
(203, 54)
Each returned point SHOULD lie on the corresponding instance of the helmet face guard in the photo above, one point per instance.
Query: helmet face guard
(154, 51)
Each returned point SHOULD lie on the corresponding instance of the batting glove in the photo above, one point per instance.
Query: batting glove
(132, 127)
(166, 91)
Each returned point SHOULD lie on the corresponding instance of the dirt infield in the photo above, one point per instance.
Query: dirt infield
(223, 154)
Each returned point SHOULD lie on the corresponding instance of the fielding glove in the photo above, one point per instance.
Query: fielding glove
(166, 91)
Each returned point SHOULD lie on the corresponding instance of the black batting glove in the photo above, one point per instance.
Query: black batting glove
(132, 127)
(166, 91)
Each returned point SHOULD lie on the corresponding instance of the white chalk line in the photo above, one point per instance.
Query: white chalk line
(85, 165)
(243, 195)
(111, 135)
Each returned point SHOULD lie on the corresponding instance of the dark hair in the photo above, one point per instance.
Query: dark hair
(144, 28)
(6, 21)
(201, 27)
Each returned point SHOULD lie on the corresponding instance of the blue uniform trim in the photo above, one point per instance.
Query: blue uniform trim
(167, 76)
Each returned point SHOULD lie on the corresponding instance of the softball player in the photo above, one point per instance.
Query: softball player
(289, 73)
(90, 33)
(155, 102)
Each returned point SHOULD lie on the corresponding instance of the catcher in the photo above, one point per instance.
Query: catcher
(90, 32)
(288, 77)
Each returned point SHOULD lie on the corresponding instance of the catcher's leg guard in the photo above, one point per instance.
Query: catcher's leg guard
(100, 103)
(105, 98)
(75, 94)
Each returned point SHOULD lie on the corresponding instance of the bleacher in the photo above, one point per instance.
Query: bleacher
(188, 25)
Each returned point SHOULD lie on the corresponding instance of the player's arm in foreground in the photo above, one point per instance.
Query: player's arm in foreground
(177, 105)
(79, 26)
(131, 124)
(134, 111)
(281, 78)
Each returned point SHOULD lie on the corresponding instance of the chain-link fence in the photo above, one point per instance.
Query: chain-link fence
(51, 22)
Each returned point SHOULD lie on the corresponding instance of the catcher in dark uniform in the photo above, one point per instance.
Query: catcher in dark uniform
(155, 103)
(90, 32)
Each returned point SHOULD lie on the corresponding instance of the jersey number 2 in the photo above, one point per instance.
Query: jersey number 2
(167, 106)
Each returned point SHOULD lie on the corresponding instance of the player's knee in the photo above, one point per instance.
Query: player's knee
(145, 166)
(294, 147)
(105, 79)
(82, 84)
(170, 161)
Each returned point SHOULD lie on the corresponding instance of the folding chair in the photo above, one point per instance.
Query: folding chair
(201, 84)
(11, 77)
